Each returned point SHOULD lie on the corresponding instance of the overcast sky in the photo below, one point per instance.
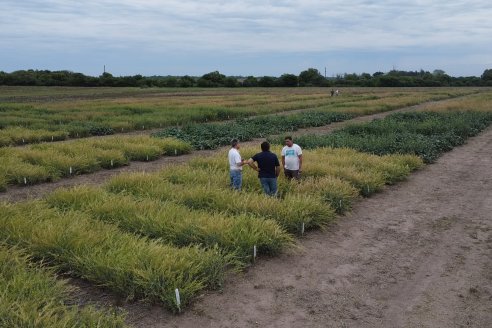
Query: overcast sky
(245, 37)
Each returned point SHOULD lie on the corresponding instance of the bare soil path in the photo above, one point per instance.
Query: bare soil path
(19, 193)
(418, 254)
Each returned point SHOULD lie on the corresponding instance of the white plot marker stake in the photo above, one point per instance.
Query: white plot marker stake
(111, 162)
(25, 180)
(175, 152)
(254, 253)
(71, 170)
(302, 229)
(178, 299)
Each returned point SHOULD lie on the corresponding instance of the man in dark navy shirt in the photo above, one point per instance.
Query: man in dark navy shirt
(268, 168)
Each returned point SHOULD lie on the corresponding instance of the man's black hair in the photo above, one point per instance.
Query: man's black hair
(265, 146)
(288, 138)
(234, 142)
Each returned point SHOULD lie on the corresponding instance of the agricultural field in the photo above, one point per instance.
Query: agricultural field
(150, 233)
(57, 114)
(33, 297)
(166, 237)
(52, 161)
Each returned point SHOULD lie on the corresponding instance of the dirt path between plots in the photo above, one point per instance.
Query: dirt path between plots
(418, 254)
(19, 193)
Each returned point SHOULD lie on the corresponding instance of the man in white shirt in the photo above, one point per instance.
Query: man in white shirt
(292, 159)
(235, 165)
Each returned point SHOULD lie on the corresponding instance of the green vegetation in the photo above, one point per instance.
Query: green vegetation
(32, 297)
(426, 134)
(51, 161)
(289, 213)
(309, 77)
(176, 224)
(30, 114)
(210, 136)
(334, 176)
(135, 267)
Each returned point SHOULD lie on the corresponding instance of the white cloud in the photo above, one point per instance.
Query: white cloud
(248, 26)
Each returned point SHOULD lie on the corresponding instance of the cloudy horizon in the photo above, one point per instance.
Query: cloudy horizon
(248, 37)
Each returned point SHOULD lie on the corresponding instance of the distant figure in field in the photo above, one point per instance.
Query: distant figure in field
(336, 92)
(235, 165)
(292, 159)
(332, 92)
(268, 169)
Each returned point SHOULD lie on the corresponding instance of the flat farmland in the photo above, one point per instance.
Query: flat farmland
(168, 236)
(30, 115)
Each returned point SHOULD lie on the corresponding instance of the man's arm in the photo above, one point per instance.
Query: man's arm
(252, 164)
(300, 163)
(277, 171)
(283, 161)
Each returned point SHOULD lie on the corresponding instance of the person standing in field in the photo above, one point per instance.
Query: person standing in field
(235, 165)
(268, 169)
(292, 159)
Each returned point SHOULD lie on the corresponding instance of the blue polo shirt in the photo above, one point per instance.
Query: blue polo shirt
(267, 161)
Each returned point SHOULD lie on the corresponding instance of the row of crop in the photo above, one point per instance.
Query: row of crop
(135, 267)
(337, 176)
(426, 134)
(31, 296)
(20, 124)
(25, 123)
(144, 235)
(47, 162)
(174, 223)
(15, 135)
(210, 136)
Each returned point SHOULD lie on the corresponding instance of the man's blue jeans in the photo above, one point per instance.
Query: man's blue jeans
(269, 186)
(236, 179)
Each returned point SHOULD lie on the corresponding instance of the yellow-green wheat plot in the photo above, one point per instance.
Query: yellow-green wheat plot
(132, 266)
(476, 102)
(336, 176)
(176, 224)
(31, 296)
(52, 161)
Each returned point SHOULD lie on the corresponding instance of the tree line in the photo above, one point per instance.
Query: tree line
(307, 78)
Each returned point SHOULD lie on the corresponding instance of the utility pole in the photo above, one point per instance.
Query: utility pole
(104, 69)
(325, 72)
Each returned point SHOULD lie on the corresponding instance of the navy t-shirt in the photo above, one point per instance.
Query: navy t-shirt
(267, 161)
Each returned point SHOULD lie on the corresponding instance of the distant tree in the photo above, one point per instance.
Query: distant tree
(267, 81)
(287, 80)
(487, 75)
(106, 79)
(186, 81)
(377, 74)
(311, 77)
(231, 82)
(250, 81)
(438, 72)
(351, 77)
(212, 79)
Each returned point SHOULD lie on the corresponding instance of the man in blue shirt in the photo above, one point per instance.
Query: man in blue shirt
(268, 168)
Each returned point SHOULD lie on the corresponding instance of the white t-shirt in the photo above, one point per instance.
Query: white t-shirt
(291, 155)
(234, 159)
